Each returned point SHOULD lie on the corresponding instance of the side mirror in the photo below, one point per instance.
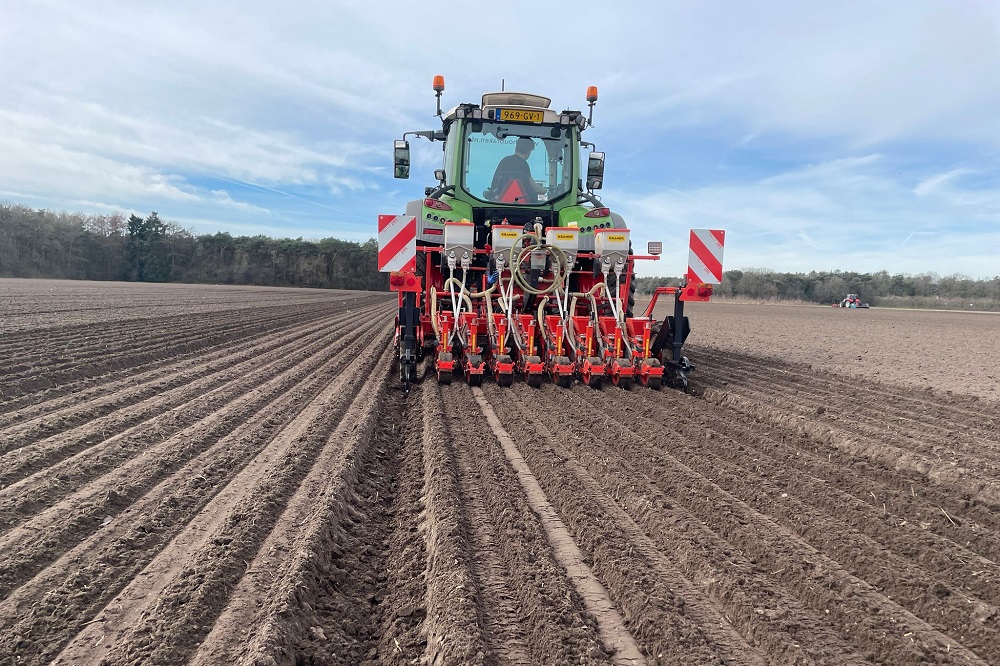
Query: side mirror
(401, 159)
(595, 171)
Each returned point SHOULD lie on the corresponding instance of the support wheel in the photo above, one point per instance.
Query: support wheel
(624, 382)
(497, 375)
(474, 379)
(444, 377)
(505, 380)
(564, 381)
(534, 380)
(652, 382)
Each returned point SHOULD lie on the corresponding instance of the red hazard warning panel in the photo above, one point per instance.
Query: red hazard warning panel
(513, 192)
(397, 243)
(705, 257)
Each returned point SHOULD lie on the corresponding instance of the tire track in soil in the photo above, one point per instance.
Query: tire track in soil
(938, 426)
(47, 534)
(809, 507)
(850, 605)
(58, 415)
(644, 571)
(93, 452)
(878, 501)
(188, 390)
(610, 627)
(359, 599)
(884, 464)
(78, 376)
(151, 340)
(85, 578)
(281, 488)
(772, 619)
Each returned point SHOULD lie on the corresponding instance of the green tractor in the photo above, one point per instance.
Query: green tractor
(515, 267)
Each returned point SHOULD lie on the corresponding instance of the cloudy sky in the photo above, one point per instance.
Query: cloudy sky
(821, 135)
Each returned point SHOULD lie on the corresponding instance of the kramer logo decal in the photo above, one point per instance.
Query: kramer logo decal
(565, 236)
(508, 234)
(616, 238)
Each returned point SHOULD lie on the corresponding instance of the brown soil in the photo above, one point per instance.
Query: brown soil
(210, 475)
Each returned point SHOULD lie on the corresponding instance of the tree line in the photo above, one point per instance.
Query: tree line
(46, 244)
(926, 290)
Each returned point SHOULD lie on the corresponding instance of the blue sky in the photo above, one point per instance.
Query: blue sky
(821, 135)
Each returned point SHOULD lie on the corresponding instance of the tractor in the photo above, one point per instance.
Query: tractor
(511, 267)
(852, 301)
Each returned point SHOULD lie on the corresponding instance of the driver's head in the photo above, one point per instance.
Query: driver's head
(524, 147)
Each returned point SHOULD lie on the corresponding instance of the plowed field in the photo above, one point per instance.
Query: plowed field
(219, 475)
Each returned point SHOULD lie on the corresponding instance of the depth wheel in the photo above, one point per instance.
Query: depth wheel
(444, 376)
(506, 380)
(564, 381)
(474, 379)
(497, 375)
(622, 381)
(534, 380)
(655, 383)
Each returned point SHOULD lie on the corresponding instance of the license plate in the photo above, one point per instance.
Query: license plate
(520, 116)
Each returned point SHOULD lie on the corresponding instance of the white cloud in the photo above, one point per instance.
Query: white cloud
(240, 115)
(848, 214)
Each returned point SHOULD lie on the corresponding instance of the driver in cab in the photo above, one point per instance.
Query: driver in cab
(512, 181)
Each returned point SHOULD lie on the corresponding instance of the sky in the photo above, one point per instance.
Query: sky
(835, 135)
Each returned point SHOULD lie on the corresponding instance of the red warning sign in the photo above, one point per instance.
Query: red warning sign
(705, 256)
(397, 243)
(513, 192)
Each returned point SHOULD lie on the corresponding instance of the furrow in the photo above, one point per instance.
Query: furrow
(36, 542)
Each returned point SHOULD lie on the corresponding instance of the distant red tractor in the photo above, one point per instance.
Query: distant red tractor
(852, 301)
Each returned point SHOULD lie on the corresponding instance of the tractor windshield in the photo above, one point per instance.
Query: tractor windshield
(516, 164)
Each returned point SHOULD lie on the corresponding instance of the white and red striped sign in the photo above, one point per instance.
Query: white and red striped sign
(397, 243)
(705, 257)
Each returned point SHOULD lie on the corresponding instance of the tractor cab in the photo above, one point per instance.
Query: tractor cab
(510, 159)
